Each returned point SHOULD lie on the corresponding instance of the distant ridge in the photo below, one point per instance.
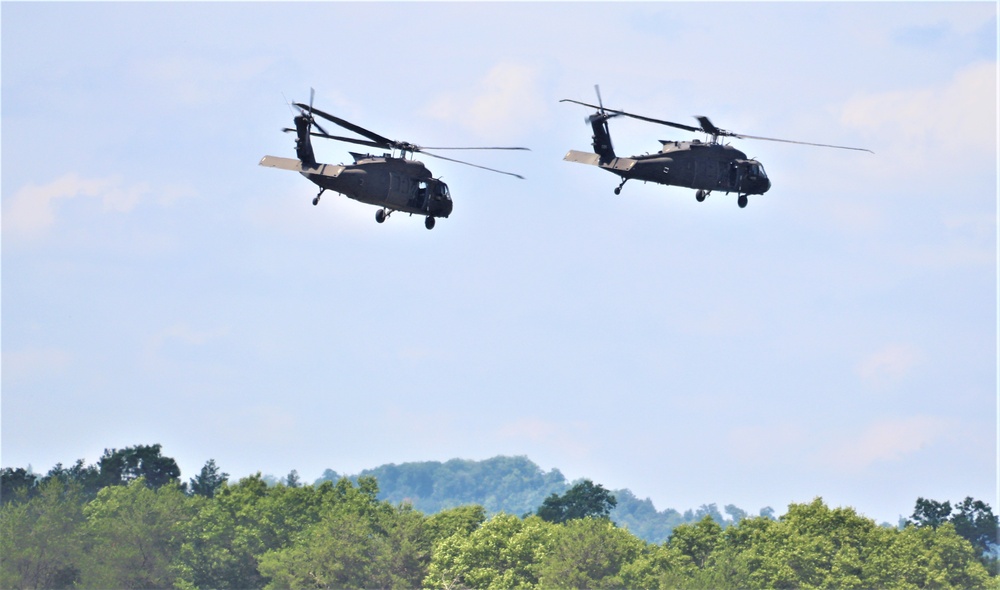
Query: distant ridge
(516, 485)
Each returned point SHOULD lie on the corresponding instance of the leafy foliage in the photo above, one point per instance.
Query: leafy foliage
(41, 539)
(119, 467)
(588, 553)
(358, 542)
(60, 531)
(584, 500)
(972, 520)
(130, 535)
(16, 484)
(502, 553)
(930, 513)
(514, 485)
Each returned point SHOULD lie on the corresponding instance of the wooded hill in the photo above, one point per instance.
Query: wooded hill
(516, 485)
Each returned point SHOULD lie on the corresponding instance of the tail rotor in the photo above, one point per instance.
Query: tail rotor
(304, 122)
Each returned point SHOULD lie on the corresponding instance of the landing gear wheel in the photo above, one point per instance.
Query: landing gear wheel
(742, 201)
(316, 201)
(380, 215)
(429, 222)
(700, 195)
(618, 190)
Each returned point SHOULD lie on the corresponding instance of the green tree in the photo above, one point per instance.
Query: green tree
(930, 513)
(224, 541)
(131, 535)
(659, 566)
(926, 557)
(642, 519)
(974, 520)
(87, 477)
(208, 480)
(328, 475)
(119, 467)
(502, 553)
(588, 553)
(40, 539)
(697, 542)
(354, 546)
(811, 546)
(581, 501)
(514, 485)
(16, 484)
(463, 519)
(735, 513)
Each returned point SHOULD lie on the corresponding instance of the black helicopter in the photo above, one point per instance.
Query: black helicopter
(387, 181)
(705, 166)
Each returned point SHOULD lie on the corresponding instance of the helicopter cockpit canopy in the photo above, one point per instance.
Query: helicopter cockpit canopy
(756, 170)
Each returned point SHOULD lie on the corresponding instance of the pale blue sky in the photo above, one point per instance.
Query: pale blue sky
(836, 338)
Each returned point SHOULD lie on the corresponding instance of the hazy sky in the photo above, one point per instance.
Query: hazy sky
(836, 338)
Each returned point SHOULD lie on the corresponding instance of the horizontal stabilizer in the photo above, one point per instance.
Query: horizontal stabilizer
(582, 157)
(296, 166)
(622, 164)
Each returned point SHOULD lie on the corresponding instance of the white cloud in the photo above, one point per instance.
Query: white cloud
(890, 440)
(888, 365)
(959, 116)
(505, 103)
(32, 210)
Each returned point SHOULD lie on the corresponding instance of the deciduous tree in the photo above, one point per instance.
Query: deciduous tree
(40, 539)
(588, 553)
(131, 535)
(930, 513)
(581, 501)
(502, 553)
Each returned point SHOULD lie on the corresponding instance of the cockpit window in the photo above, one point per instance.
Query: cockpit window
(758, 171)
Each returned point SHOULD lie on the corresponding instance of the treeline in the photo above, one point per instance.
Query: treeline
(82, 527)
(516, 485)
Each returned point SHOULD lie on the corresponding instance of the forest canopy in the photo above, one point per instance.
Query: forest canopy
(130, 522)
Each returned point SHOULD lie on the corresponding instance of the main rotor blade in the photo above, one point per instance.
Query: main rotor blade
(473, 165)
(708, 127)
(347, 139)
(423, 147)
(839, 147)
(640, 117)
(597, 89)
(383, 141)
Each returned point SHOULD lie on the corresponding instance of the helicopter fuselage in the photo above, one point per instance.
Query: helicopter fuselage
(396, 184)
(697, 165)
